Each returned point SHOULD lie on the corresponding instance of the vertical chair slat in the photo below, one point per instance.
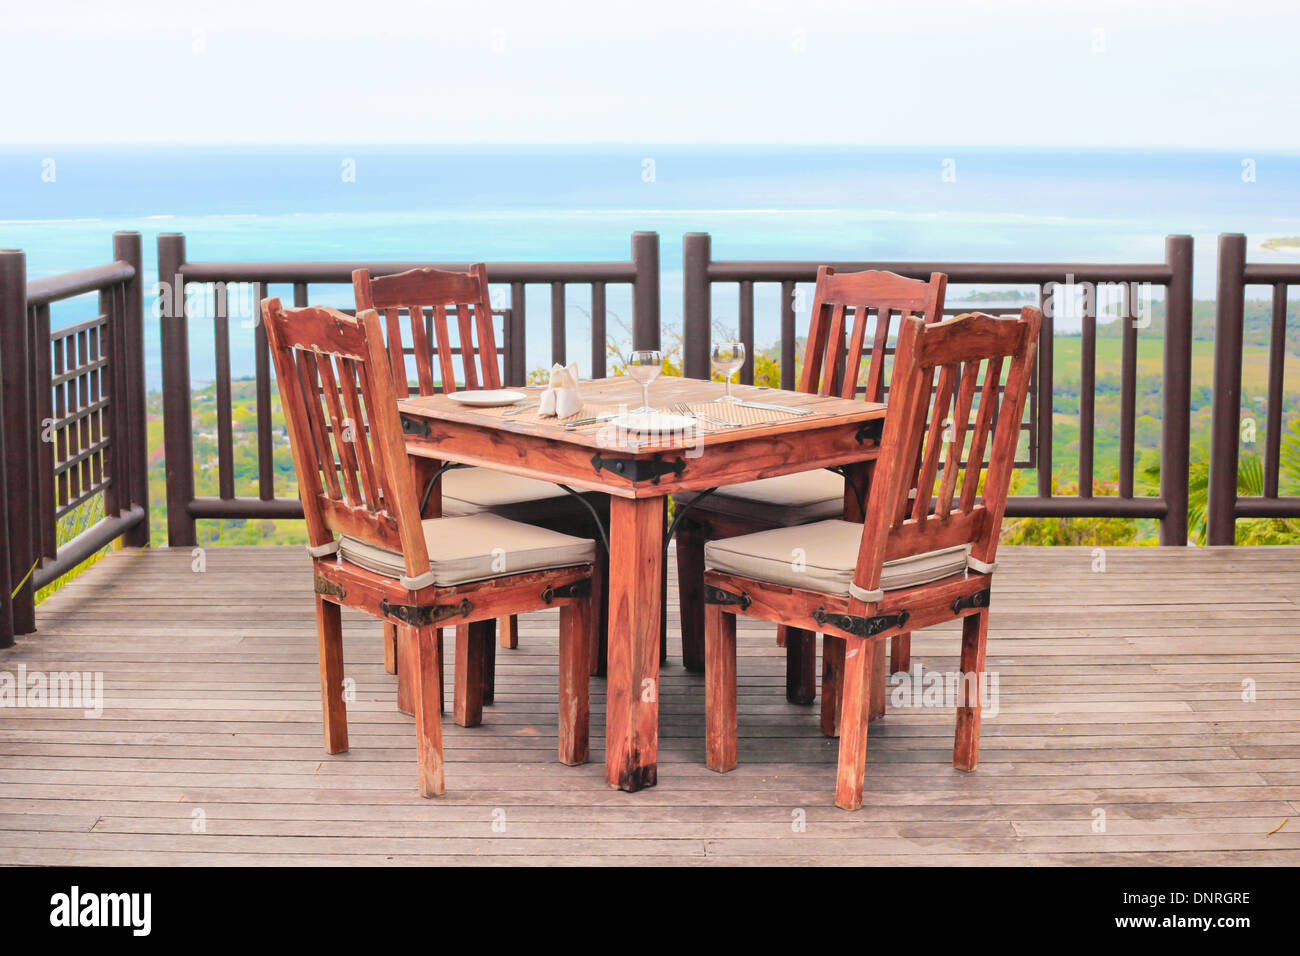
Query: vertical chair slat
(468, 356)
(933, 444)
(371, 411)
(960, 424)
(490, 374)
(983, 421)
(347, 371)
(853, 358)
(445, 358)
(420, 343)
(876, 371)
(341, 430)
(308, 379)
(911, 451)
(834, 350)
(396, 351)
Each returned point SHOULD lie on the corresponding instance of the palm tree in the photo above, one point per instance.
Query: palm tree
(1250, 483)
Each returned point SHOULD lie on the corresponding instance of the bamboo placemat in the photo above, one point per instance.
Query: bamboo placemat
(724, 411)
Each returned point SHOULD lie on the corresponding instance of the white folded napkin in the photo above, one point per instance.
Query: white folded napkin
(561, 396)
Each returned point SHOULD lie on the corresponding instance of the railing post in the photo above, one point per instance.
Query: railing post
(178, 422)
(6, 581)
(697, 319)
(1226, 420)
(1177, 414)
(127, 248)
(20, 439)
(645, 292)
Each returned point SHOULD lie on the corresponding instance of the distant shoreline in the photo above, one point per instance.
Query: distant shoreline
(1281, 244)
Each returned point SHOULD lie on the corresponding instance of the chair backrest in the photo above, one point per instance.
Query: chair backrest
(843, 304)
(931, 444)
(427, 296)
(337, 395)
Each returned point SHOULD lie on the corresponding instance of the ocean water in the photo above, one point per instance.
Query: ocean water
(582, 203)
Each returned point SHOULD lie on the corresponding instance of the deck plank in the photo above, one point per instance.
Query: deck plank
(1119, 691)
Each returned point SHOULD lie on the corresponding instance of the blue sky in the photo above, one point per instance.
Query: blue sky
(1189, 73)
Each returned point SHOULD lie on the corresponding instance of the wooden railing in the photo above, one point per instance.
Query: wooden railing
(73, 418)
(72, 405)
(1234, 275)
(175, 273)
(702, 272)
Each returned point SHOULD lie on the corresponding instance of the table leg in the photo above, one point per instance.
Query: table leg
(632, 686)
(800, 665)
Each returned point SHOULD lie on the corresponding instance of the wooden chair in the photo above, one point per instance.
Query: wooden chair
(355, 481)
(843, 305)
(430, 300)
(918, 560)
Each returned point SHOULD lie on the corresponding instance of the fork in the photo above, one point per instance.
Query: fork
(682, 408)
(520, 408)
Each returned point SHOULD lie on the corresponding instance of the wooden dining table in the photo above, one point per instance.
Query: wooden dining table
(638, 472)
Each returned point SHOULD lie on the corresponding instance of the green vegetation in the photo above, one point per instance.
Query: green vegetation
(1281, 242)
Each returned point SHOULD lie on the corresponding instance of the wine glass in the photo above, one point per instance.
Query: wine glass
(727, 358)
(644, 365)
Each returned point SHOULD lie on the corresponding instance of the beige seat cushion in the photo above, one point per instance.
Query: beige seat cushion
(791, 499)
(476, 548)
(822, 557)
(467, 491)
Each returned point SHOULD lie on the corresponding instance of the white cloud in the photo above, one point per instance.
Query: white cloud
(1166, 74)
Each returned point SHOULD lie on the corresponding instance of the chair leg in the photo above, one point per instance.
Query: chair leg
(690, 588)
(428, 710)
(800, 666)
(405, 638)
(575, 680)
(663, 591)
(329, 644)
(390, 647)
(442, 681)
(900, 654)
(832, 683)
(719, 688)
(467, 704)
(854, 719)
(509, 628)
(879, 679)
(974, 636)
(781, 631)
(490, 664)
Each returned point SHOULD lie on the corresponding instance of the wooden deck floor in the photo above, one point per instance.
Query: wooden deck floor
(1120, 693)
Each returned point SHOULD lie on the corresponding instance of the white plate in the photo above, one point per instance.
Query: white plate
(654, 422)
(487, 397)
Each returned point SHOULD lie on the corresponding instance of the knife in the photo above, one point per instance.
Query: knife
(778, 408)
(591, 421)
